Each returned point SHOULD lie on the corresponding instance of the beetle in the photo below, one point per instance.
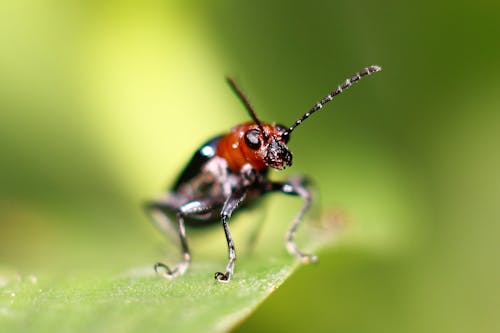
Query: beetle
(231, 170)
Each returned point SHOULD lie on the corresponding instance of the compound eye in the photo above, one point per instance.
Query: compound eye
(252, 139)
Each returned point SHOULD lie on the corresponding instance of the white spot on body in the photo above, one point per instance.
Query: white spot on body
(208, 151)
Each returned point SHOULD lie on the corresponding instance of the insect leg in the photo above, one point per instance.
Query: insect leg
(161, 213)
(195, 207)
(296, 187)
(229, 206)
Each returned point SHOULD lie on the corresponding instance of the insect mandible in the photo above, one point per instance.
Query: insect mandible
(231, 170)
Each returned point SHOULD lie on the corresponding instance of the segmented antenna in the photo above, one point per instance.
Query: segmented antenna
(347, 83)
(245, 102)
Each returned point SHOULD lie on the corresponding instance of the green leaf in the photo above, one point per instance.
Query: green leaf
(139, 300)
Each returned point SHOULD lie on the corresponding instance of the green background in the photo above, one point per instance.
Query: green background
(102, 103)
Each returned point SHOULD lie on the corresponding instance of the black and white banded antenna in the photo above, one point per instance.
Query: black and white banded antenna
(343, 86)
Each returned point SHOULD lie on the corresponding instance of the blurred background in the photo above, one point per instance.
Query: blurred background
(102, 103)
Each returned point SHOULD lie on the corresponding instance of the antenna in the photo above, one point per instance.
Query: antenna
(245, 102)
(346, 84)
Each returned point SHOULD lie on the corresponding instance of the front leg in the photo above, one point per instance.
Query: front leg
(229, 206)
(296, 187)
